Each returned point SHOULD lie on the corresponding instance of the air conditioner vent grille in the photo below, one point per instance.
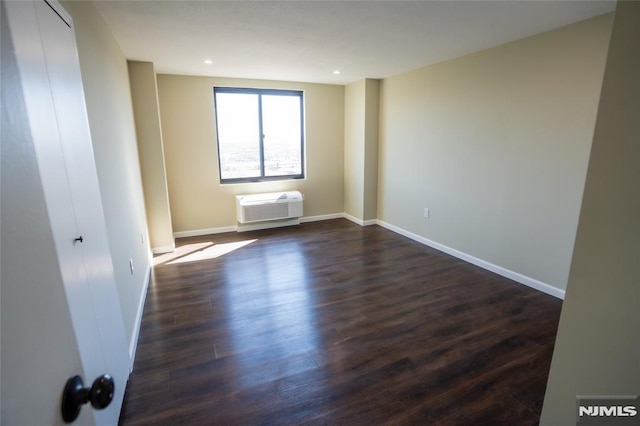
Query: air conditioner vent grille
(266, 207)
(266, 212)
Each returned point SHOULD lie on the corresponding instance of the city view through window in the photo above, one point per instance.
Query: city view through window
(259, 134)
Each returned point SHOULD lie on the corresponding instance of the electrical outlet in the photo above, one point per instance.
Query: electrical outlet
(426, 212)
(131, 265)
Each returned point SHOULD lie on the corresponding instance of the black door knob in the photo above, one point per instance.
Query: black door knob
(75, 395)
(79, 239)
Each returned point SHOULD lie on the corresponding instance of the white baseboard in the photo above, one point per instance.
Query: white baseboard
(207, 231)
(515, 276)
(321, 217)
(359, 221)
(164, 249)
(223, 229)
(244, 227)
(133, 344)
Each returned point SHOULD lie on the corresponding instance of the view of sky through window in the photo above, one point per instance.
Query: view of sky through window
(259, 134)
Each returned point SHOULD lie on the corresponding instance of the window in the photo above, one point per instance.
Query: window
(260, 134)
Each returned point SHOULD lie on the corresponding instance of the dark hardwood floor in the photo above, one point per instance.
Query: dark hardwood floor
(331, 323)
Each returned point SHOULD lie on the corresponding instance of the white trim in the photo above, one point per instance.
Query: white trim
(223, 229)
(133, 345)
(353, 219)
(359, 221)
(164, 249)
(207, 231)
(244, 227)
(515, 276)
(321, 217)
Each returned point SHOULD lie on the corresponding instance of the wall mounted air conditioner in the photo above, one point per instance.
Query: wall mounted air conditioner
(275, 206)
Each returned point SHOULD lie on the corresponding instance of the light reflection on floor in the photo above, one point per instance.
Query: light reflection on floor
(199, 251)
(272, 305)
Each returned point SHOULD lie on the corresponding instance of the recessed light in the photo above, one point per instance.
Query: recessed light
(336, 72)
(208, 61)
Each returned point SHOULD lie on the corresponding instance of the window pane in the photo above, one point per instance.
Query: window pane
(238, 135)
(282, 135)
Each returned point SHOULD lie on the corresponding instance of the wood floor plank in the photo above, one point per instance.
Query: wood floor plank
(333, 323)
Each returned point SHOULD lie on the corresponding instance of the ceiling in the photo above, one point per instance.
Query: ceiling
(309, 40)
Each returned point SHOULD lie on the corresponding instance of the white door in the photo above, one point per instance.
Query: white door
(50, 77)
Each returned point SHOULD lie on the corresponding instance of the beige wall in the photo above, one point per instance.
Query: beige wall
(597, 349)
(144, 94)
(354, 123)
(496, 145)
(361, 102)
(198, 200)
(106, 86)
(371, 124)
